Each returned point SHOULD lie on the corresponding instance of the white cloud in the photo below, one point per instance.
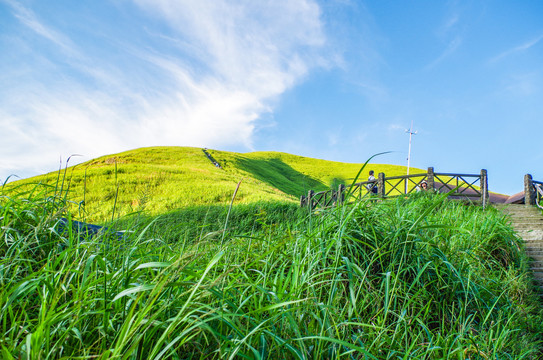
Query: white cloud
(224, 66)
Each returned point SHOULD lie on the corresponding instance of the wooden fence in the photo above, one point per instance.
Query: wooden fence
(533, 191)
(462, 185)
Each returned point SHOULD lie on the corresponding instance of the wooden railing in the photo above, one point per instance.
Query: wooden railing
(539, 193)
(461, 185)
(533, 191)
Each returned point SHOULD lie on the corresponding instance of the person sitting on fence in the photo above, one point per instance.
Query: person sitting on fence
(372, 186)
(423, 186)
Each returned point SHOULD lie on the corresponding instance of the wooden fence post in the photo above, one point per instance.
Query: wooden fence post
(529, 193)
(340, 193)
(430, 179)
(309, 199)
(484, 188)
(381, 184)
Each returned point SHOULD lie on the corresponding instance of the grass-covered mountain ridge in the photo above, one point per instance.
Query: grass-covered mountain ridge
(162, 179)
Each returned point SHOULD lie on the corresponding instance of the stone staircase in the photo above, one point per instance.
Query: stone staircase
(528, 223)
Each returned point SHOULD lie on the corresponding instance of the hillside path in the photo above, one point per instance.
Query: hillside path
(528, 223)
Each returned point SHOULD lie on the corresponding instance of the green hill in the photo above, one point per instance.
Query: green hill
(161, 179)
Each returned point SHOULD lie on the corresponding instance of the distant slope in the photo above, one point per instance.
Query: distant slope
(161, 179)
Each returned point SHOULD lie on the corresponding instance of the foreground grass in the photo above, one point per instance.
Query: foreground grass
(416, 277)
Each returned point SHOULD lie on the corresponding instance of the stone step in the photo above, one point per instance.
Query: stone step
(531, 233)
(536, 223)
(528, 216)
(521, 213)
(515, 206)
(532, 240)
(522, 232)
(510, 208)
(518, 208)
(524, 221)
(531, 249)
(533, 245)
(516, 215)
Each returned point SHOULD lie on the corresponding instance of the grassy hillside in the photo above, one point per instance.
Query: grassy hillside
(162, 179)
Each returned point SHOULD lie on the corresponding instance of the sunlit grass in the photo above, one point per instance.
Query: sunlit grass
(163, 179)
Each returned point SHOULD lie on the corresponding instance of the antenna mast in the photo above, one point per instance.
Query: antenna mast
(411, 133)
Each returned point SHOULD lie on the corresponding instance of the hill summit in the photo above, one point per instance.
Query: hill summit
(162, 179)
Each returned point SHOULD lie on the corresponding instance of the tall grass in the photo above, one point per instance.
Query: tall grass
(412, 278)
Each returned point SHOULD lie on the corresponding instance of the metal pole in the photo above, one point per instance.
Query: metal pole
(411, 133)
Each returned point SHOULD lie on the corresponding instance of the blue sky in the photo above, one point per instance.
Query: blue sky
(338, 80)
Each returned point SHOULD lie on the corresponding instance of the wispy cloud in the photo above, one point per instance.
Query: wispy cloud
(522, 85)
(27, 17)
(520, 48)
(396, 127)
(194, 73)
(450, 23)
(451, 48)
(450, 32)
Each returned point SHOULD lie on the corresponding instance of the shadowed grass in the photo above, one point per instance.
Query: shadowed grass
(412, 278)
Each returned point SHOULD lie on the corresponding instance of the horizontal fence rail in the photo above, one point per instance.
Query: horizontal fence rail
(459, 185)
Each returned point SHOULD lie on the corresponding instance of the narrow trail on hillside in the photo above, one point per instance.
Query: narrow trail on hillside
(212, 159)
(528, 223)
